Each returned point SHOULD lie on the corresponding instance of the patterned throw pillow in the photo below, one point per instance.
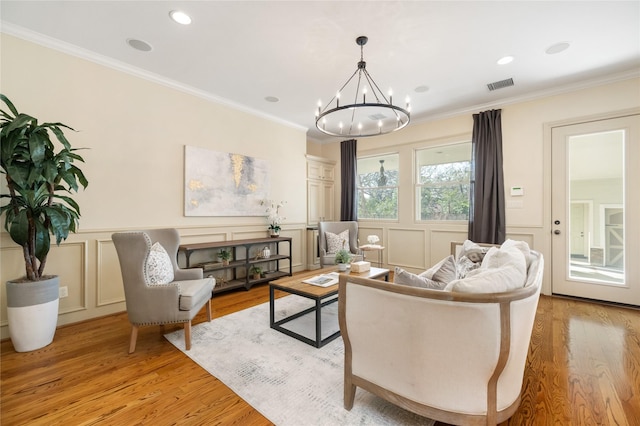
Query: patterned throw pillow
(337, 242)
(470, 258)
(158, 268)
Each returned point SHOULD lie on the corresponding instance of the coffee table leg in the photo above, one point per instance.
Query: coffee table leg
(318, 324)
(272, 314)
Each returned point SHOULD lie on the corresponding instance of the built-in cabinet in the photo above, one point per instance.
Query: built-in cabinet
(265, 253)
(320, 189)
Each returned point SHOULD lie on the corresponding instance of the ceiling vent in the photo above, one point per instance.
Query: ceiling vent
(376, 117)
(500, 84)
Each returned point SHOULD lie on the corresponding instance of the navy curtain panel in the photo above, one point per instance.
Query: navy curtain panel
(486, 207)
(348, 170)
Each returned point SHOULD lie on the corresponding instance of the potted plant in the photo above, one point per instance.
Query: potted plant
(255, 272)
(37, 175)
(343, 257)
(273, 216)
(225, 256)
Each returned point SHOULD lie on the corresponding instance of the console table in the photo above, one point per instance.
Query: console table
(244, 255)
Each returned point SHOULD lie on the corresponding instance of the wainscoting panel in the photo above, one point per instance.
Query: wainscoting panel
(364, 232)
(109, 288)
(69, 261)
(527, 237)
(440, 243)
(406, 248)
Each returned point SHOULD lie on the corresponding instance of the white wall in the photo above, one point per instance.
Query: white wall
(135, 131)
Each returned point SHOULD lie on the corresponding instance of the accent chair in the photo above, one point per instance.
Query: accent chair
(330, 230)
(157, 291)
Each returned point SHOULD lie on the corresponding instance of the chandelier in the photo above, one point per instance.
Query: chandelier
(370, 113)
(382, 179)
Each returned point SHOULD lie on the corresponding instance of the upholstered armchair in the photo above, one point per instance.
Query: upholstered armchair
(156, 290)
(336, 230)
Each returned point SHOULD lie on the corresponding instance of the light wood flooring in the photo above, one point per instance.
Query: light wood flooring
(583, 369)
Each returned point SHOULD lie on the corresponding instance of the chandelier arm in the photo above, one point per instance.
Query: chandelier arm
(355, 101)
(341, 89)
(373, 85)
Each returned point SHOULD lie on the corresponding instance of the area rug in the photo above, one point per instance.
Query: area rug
(288, 381)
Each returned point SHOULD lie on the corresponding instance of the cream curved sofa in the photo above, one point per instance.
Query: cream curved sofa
(454, 357)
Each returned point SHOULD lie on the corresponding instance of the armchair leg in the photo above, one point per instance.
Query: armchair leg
(209, 310)
(187, 335)
(134, 337)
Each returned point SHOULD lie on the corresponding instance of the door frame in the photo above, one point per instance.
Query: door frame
(547, 226)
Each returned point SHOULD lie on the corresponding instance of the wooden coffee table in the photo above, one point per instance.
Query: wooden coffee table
(322, 296)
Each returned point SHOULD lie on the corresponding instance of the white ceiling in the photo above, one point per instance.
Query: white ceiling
(239, 52)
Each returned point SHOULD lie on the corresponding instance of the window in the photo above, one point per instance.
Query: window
(443, 182)
(378, 187)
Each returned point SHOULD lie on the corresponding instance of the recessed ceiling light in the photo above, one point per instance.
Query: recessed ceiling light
(271, 99)
(557, 48)
(180, 17)
(505, 60)
(421, 89)
(139, 45)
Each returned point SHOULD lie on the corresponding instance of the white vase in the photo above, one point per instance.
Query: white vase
(342, 267)
(266, 253)
(32, 313)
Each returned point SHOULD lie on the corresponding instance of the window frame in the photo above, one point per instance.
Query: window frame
(396, 187)
(419, 186)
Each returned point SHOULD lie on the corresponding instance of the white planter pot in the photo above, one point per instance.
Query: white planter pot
(32, 311)
(342, 267)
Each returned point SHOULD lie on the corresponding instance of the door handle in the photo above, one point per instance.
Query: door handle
(557, 232)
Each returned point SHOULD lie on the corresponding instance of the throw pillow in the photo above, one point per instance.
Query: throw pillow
(158, 268)
(470, 258)
(494, 280)
(464, 265)
(502, 269)
(443, 271)
(336, 242)
(400, 276)
(505, 256)
(522, 246)
(473, 251)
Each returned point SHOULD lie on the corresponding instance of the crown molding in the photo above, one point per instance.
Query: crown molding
(70, 49)
(539, 94)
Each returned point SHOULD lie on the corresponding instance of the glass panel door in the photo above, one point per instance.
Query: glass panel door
(594, 205)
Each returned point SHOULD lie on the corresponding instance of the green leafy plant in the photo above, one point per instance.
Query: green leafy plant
(224, 254)
(37, 174)
(255, 270)
(343, 256)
